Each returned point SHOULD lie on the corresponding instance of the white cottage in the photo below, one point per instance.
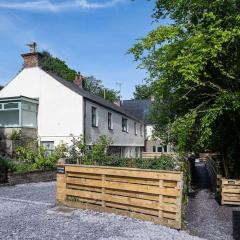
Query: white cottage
(40, 103)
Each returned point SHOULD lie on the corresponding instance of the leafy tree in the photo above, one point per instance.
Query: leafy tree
(96, 87)
(142, 91)
(61, 69)
(194, 64)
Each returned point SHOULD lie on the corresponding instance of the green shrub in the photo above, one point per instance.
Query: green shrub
(7, 164)
(24, 167)
(16, 134)
(26, 154)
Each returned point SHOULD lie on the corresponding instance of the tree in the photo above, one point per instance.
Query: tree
(1, 87)
(96, 87)
(61, 69)
(142, 91)
(194, 64)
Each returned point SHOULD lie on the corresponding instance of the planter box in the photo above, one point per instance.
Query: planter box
(29, 177)
(230, 191)
(145, 194)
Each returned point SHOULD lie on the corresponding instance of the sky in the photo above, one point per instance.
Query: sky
(91, 36)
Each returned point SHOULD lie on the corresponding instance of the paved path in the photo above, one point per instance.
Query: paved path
(28, 212)
(205, 217)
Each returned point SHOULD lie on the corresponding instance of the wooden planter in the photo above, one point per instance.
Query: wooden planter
(149, 195)
(230, 191)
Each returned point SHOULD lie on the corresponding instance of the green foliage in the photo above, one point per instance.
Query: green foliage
(16, 135)
(29, 159)
(91, 84)
(96, 87)
(6, 163)
(26, 155)
(100, 147)
(78, 151)
(194, 70)
(143, 91)
(57, 66)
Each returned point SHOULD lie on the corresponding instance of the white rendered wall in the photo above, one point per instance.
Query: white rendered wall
(119, 137)
(149, 131)
(60, 110)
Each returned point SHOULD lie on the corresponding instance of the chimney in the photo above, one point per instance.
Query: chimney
(31, 59)
(117, 102)
(78, 80)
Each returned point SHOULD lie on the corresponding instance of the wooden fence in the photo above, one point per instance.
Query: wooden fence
(146, 194)
(148, 155)
(230, 191)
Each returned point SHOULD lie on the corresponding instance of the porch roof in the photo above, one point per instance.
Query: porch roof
(19, 98)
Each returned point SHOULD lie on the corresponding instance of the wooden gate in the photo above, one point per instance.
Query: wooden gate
(149, 195)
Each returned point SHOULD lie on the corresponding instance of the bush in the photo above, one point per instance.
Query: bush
(16, 135)
(8, 164)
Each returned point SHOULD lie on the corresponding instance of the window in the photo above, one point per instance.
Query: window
(11, 106)
(9, 115)
(141, 130)
(110, 121)
(124, 125)
(94, 117)
(48, 146)
(135, 128)
(154, 148)
(160, 149)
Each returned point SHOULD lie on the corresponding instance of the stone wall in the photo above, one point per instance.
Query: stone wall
(29, 177)
(8, 146)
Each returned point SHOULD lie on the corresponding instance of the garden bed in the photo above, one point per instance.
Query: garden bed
(33, 176)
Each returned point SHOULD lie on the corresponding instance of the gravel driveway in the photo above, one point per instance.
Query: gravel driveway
(205, 216)
(28, 212)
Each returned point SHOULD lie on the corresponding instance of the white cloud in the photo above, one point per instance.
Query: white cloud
(48, 5)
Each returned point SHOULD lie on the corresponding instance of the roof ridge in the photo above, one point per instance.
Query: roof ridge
(90, 96)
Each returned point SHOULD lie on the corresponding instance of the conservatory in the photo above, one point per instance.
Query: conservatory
(18, 112)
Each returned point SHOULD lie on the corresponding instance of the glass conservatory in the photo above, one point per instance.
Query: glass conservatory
(18, 112)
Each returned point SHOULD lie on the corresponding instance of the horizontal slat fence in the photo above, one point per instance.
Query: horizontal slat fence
(146, 194)
(149, 155)
(230, 191)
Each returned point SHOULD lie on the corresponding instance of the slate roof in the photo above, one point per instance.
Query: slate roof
(94, 98)
(139, 108)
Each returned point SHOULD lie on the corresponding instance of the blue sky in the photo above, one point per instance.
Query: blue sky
(92, 36)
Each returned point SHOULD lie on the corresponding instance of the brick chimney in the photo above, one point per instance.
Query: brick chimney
(79, 80)
(31, 59)
(117, 102)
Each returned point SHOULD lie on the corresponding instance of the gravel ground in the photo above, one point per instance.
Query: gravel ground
(205, 217)
(28, 212)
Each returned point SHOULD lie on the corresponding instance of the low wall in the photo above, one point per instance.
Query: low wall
(34, 176)
(146, 194)
(230, 191)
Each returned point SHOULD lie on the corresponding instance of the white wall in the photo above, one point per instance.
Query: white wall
(149, 131)
(119, 137)
(60, 109)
